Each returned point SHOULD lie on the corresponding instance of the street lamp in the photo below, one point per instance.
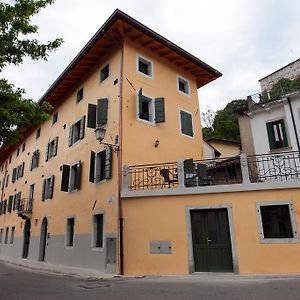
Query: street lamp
(100, 134)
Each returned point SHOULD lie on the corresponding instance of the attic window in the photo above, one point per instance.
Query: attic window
(183, 85)
(145, 66)
(79, 96)
(104, 73)
(54, 118)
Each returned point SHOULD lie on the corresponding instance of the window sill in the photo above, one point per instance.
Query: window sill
(280, 241)
(146, 122)
(279, 150)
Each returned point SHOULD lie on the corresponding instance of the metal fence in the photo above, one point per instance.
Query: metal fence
(274, 167)
(25, 205)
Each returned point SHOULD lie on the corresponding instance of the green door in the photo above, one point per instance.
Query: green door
(211, 240)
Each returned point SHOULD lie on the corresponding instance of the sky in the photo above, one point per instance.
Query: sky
(243, 39)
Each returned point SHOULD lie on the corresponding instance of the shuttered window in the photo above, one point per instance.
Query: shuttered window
(76, 131)
(101, 165)
(10, 203)
(104, 73)
(34, 160)
(48, 185)
(71, 177)
(79, 95)
(51, 149)
(18, 172)
(186, 122)
(98, 231)
(277, 134)
(183, 85)
(97, 114)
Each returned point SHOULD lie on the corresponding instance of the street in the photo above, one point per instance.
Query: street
(19, 283)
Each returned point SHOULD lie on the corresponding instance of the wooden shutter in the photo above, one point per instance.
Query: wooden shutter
(92, 167)
(189, 124)
(159, 110)
(55, 146)
(108, 162)
(65, 178)
(37, 158)
(102, 109)
(31, 161)
(140, 97)
(13, 178)
(82, 125)
(91, 118)
(44, 190)
(10, 203)
(271, 136)
(285, 141)
(22, 169)
(78, 176)
(4, 206)
(47, 152)
(71, 135)
(51, 186)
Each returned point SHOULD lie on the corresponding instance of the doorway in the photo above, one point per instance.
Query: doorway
(43, 239)
(26, 238)
(211, 241)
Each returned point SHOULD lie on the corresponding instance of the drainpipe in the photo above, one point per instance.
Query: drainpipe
(2, 196)
(119, 154)
(294, 124)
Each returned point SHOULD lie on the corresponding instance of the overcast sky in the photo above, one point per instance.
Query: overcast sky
(243, 39)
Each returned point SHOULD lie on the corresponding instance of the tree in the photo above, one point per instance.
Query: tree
(225, 124)
(15, 111)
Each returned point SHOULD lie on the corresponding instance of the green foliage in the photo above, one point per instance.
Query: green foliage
(16, 112)
(225, 123)
(281, 88)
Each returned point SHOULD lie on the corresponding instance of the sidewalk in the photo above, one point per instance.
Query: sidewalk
(56, 269)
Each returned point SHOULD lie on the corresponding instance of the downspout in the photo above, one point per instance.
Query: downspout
(120, 172)
(2, 196)
(294, 124)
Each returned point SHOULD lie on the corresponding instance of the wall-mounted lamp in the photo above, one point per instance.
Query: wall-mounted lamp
(100, 134)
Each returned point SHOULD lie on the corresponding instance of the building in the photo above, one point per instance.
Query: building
(226, 148)
(60, 195)
(209, 152)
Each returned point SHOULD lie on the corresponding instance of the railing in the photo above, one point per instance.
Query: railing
(274, 167)
(25, 206)
(153, 176)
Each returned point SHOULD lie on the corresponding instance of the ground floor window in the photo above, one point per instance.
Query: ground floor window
(70, 232)
(6, 235)
(98, 231)
(12, 235)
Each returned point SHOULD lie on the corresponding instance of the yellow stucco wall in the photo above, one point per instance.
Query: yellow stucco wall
(226, 149)
(164, 219)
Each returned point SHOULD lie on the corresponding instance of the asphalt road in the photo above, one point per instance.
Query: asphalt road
(20, 283)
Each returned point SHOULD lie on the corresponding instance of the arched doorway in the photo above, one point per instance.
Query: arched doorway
(43, 239)
(26, 238)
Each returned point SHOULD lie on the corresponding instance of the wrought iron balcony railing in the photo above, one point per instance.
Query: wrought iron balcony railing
(25, 208)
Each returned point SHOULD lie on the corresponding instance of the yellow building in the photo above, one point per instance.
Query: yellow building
(142, 201)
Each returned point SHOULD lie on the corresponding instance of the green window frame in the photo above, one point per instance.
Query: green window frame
(277, 134)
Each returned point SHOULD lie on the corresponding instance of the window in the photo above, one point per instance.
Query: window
(145, 66)
(10, 157)
(12, 235)
(1, 234)
(10, 203)
(18, 172)
(7, 180)
(149, 109)
(98, 231)
(104, 73)
(31, 192)
(183, 85)
(97, 114)
(18, 151)
(51, 149)
(17, 201)
(48, 184)
(79, 95)
(4, 205)
(70, 232)
(276, 221)
(23, 147)
(54, 118)
(186, 123)
(277, 134)
(101, 165)
(38, 133)
(6, 235)
(34, 160)
(76, 131)
(71, 177)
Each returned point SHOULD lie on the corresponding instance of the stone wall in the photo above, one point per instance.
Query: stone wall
(291, 71)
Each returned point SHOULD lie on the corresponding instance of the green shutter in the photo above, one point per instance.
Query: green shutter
(183, 122)
(37, 157)
(13, 178)
(91, 118)
(159, 110)
(65, 178)
(271, 136)
(102, 109)
(43, 190)
(70, 143)
(82, 125)
(140, 96)
(31, 161)
(108, 162)
(189, 125)
(47, 152)
(285, 141)
(10, 203)
(78, 176)
(51, 186)
(55, 146)
(92, 167)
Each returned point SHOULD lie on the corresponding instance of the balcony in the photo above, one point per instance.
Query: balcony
(25, 208)
(222, 174)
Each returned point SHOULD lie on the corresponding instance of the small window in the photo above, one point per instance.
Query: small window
(38, 133)
(70, 232)
(104, 73)
(183, 85)
(48, 185)
(101, 165)
(18, 151)
(6, 235)
(51, 149)
(35, 160)
(10, 158)
(98, 231)
(145, 66)
(23, 147)
(71, 177)
(7, 180)
(76, 131)
(277, 134)
(17, 201)
(54, 118)
(12, 235)
(79, 95)
(186, 122)
(10, 203)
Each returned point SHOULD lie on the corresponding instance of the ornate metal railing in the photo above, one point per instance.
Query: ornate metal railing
(274, 167)
(25, 206)
(153, 176)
